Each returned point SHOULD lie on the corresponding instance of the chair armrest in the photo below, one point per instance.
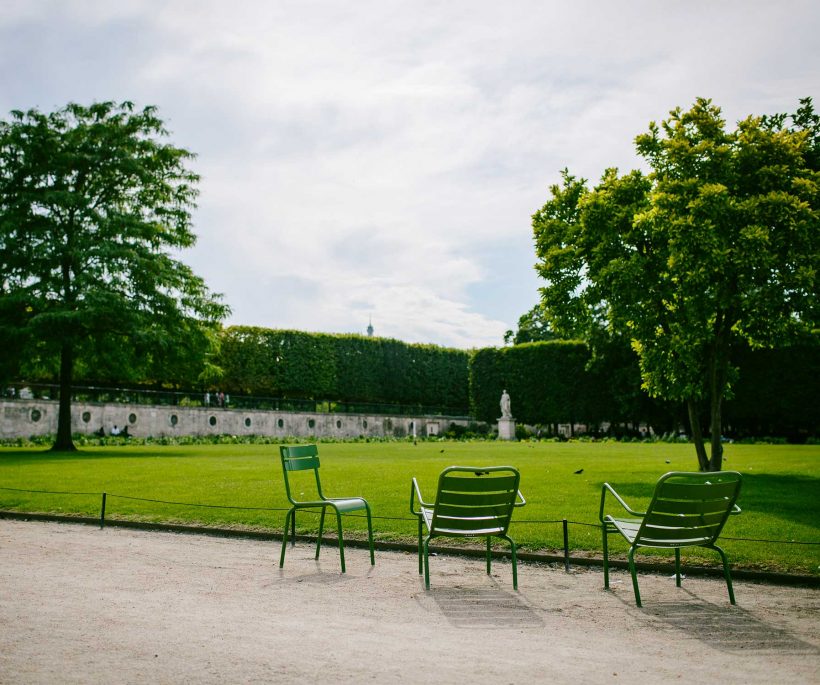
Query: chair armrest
(522, 502)
(735, 510)
(608, 488)
(415, 494)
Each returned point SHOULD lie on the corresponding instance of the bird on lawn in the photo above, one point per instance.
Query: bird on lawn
(579, 471)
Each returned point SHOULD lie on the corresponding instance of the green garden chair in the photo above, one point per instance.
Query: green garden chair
(471, 501)
(306, 458)
(687, 510)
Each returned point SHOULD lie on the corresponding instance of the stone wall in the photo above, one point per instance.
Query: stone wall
(31, 417)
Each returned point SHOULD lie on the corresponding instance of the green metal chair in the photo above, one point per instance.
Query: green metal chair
(687, 510)
(306, 458)
(471, 501)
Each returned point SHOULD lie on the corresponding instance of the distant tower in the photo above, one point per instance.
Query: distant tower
(370, 327)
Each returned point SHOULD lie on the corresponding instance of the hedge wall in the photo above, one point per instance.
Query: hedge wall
(343, 368)
(778, 392)
(547, 381)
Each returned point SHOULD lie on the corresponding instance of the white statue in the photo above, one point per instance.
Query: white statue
(505, 405)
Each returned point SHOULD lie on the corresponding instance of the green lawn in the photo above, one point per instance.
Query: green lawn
(780, 497)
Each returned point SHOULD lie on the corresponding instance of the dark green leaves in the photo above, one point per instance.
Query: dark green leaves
(94, 205)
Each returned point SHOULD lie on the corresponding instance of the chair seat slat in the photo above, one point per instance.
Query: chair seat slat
(474, 483)
(469, 533)
(679, 533)
(472, 523)
(691, 507)
(348, 503)
(462, 511)
(476, 499)
(693, 491)
(658, 518)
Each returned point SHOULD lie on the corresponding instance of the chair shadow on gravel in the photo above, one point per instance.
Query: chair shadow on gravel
(721, 626)
(484, 608)
(323, 573)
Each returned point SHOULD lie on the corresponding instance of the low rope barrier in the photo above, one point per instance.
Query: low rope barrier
(565, 523)
(53, 492)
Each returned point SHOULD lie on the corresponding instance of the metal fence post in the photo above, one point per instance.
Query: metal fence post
(102, 512)
(566, 545)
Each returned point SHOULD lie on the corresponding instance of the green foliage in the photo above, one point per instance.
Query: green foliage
(556, 382)
(93, 206)
(776, 392)
(341, 368)
(542, 378)
(532, 327)
(779, 498)
(717, 246)
(561, 382)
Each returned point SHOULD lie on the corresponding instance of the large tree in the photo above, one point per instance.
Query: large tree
(717, 244)
(94, 207)
(532, 327)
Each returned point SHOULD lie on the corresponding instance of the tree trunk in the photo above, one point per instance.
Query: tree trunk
(63, 443)
(697, 434)
(716, 461)
(718, 373)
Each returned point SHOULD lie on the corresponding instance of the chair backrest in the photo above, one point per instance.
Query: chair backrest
(689, 509)
(299, 458)
(475, 500)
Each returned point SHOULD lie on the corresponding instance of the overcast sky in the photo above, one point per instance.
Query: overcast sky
(383, 159)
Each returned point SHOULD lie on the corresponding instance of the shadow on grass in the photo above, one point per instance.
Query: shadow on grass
(790, 497)
(795, 498)
(45, 456)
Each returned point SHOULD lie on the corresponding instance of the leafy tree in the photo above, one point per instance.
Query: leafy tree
(93, 206)
(532, 327)
(717, 245)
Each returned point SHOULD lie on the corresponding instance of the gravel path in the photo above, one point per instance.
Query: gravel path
(83, 605)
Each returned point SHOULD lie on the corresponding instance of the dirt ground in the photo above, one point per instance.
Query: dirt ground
(83, 605)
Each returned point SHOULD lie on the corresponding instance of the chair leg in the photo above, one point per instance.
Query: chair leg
(489, 557)
(285, 538)
(321, 530)
(421, 555)
(370, 536)
(606, 557)
(341, 539)
(426, 547)
(631, 557)
(726, 573)
(514, 563)
(677, 566)
(293, 528)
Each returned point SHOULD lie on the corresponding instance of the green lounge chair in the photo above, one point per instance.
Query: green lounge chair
(306, 458)
(471, 501)
(687, 510)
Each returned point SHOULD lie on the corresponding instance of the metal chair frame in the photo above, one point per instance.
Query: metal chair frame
(303, 458)
(471, 501)
(687, 510)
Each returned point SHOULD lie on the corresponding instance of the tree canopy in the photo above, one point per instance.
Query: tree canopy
(717, 244)
(532, 327)
(94, 206)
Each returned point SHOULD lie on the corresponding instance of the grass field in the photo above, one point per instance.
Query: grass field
(780, 497)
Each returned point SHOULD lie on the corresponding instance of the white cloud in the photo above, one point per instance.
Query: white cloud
(383, 158)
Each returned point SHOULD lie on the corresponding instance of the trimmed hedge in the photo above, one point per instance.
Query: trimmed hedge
(548, 382)
(556, 382)
(342, 368)
(777, 394)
